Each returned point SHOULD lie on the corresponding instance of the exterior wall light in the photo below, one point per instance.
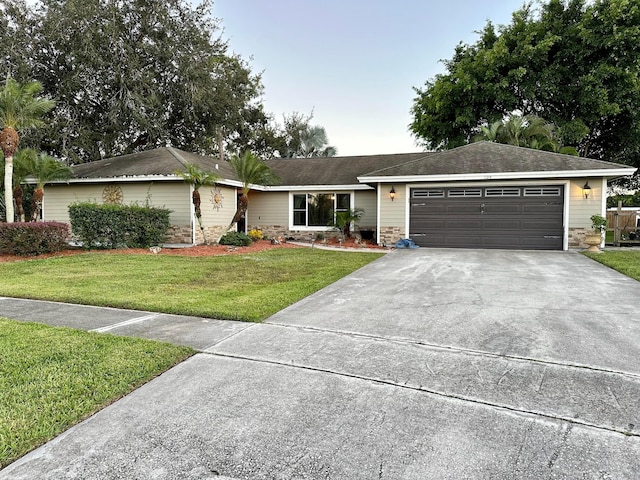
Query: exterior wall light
(392, 193)
(586, 190)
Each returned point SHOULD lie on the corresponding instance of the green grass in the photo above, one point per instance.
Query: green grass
(51, 378)
(247, 287)
(624, 261)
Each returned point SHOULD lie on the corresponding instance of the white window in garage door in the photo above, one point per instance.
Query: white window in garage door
(502, 192)
(465, 192)
(421, 193)
(542, 191)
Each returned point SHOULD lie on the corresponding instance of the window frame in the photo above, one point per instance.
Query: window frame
(307, 193)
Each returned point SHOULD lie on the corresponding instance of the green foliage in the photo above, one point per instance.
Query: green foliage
(573, 63)
(632, 200)
(52, 378)
(298, 138)
(344, 220)
(598, 223)
(528, 131)
(255, 234)
(117, 226)
(22, 106)
(132, 75)
(238, 239)
(34, 238)
(250, 169)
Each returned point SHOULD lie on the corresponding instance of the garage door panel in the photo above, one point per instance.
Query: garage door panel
(542, 209)
(505, 224)
(541, 225)
(510, 221)
(494, 209)
(461, 209)
(463, 224)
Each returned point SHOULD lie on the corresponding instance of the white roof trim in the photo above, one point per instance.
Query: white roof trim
(137, 178)
(617, 172)
(306, 188)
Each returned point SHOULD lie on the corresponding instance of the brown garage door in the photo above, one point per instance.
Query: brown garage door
(526, 217)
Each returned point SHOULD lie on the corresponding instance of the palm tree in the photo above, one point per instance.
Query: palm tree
(249, 170)
(20, 108)
(197, 178)
(44, 169)
(490, 133)
(528, 131)
(22, 161)
(314, 142)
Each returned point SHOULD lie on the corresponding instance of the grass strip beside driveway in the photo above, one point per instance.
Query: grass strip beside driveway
(624, 261)
(53, 377)
(247, 287)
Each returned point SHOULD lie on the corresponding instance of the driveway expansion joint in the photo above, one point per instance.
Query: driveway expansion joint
(125, 323)
(420, 388)
(228, 337)
(461, 350)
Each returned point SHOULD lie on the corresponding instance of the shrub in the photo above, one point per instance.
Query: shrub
(235, 238)
(114, 226)
(255, 234)
(33, 238)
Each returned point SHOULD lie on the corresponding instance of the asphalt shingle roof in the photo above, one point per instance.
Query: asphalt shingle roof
(334, 170)
(165, 161)
(489, 157)
(475, 158)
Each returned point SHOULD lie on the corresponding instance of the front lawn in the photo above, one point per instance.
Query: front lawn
(247, 287)
(624, 261)
(51, 378)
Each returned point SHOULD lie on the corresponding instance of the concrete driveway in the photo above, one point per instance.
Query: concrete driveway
(426, 364)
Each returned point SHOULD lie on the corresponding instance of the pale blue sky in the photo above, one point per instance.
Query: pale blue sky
(353, 62)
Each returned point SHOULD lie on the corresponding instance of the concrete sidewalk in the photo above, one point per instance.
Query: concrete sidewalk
(424, 364)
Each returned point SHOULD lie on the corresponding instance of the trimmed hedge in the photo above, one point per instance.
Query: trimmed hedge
(235, 238)
(118, 226)
(33, 238)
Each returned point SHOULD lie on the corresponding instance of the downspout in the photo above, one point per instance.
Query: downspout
(603, 209)
(192, 216)
(378, 203)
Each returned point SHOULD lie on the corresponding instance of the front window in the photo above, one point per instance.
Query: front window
(319, 209)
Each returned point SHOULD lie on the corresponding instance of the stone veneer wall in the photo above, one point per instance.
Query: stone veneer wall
(213, 234)
(275, 231)
(182, 234)
(179, 234)
(576, 237)
(390, 235)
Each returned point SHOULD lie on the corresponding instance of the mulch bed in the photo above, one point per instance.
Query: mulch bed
(197, 251)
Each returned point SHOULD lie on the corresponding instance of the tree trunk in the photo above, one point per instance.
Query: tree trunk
(243, 204)
(195, 198)
(9, 140)
(220, 145)
(8, 191)
(38, 195)
(17, 196)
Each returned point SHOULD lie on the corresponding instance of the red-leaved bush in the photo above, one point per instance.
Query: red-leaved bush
(33, 238)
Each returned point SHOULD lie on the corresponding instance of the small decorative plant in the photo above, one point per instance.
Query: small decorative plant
(255, 234)
(598, 223)
(238, 239)
(344, 219)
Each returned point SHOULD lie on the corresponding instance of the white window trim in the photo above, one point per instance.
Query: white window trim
(319, 228)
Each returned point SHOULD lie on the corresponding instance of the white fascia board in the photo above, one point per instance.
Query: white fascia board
(313, 188)
(609, 173)
(138, 178)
